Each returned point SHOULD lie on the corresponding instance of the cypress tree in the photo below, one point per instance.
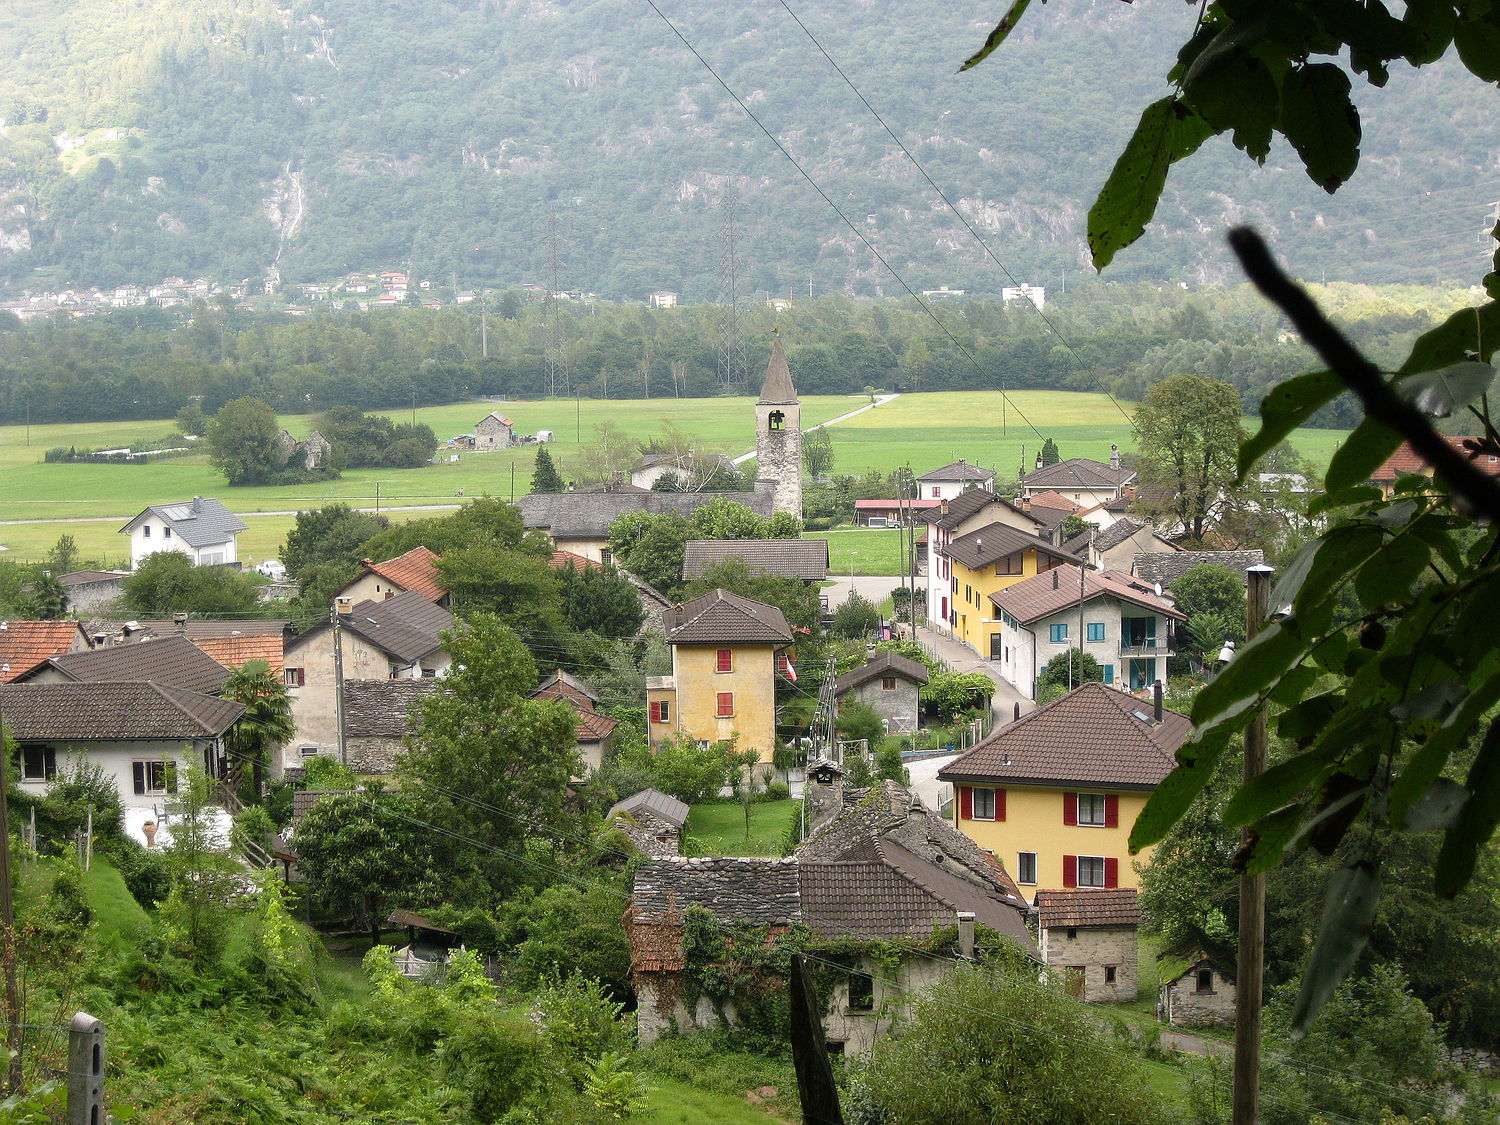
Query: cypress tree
(544, 477)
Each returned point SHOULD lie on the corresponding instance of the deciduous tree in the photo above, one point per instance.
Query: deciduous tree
(1188, 428)
(242, 441)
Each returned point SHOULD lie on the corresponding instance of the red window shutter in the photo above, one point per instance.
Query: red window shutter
(1111, 814)
(726, 704)
(965, 802)
(1111, 872)
(1070, 871)
(1070, 810)
(655, 711)
(725, 661)
(999, 804)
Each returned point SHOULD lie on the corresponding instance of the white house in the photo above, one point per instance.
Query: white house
(952, 519)
(203, 530)
(1086, 483)
(1117, 620)
(950, 480)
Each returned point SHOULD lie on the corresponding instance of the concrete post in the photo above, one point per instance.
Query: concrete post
(85, 1071)
(966, 934)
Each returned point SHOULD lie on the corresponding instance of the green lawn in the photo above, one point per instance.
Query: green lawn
(676, 1103)
(864, 550)
(719, 829)
(118, 916)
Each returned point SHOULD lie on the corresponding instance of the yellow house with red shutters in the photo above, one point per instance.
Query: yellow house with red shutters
(725, 658)
(1054, 794)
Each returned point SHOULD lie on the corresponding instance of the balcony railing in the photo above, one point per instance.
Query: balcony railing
(1155, 647)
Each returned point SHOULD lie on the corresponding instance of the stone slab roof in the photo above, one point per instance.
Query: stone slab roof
(198, 522)
(407, 626)
(193, 628)
(1167, 567)
(25, 644)
(990, 544)
(1091, 907)
(879, 665)
(719, 617)
(304, 799)
(1078, 472)
(1112, 536)
(1094, 738)
(112, 712)
(959, 470)
(169, 661)
(383, 708)
(759, 891)
(416, 570)
(89, 577)
(655, 802)
(806, 559)
(587, 515)
(1045, 594)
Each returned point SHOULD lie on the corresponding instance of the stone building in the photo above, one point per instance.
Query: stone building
(1090, 937)
(652, 820)
(1202, 995)
(778, 434)
(493, 431)
(890, 684)
(378, 717)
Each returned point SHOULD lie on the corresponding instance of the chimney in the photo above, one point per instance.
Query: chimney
(966, 934)
(943, 506)
(1017, 716)
(1156, 701)
(1054, 577)
(197, 504)
(1038, 460)
(179, 620)
(1114, 456)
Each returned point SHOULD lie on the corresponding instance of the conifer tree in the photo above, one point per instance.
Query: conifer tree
(544, 478)
(1050, 455)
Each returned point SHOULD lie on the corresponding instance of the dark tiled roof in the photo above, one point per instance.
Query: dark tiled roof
(87, 577)
(958, 470)
(407, 626)
(117, 712)
(760, 891)
(1068, 909)
(1045, 594)
(783, 558)
(384, 708)
(881, 664)
(197, 522)
(1049, 517)
(25, 644)
(966, 504)
(587, 515)
(1167, 567)
(777, 388)
(1078, 472)
(1112, 536)
(415, 570)
(720, 617)
(990, 544)
(170, 661)
(655, 802)
(1093, 737)
(304, 799)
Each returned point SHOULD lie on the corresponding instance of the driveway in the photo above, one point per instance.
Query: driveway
(961, 658)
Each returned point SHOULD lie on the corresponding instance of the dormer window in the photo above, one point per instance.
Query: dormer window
(777, 420)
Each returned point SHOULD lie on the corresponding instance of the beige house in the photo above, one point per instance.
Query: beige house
(1090, 937)
(385, 640)
(379, 581)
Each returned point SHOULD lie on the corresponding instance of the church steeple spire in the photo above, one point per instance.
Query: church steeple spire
(777, 390)
(778, 435)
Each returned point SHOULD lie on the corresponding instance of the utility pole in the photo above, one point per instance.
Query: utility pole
(341, 609)
(8, 951)
(1251, 961)
(732, 365)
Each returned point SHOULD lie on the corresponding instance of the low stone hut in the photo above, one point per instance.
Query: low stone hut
(1090, 936)
(1202, 995)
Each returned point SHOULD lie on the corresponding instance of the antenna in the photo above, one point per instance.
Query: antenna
(733, 374)
(557, 365)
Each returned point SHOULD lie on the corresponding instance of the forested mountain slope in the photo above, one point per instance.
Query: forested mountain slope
(226, 138)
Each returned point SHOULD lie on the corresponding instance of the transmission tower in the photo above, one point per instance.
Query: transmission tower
(558, 383)
(732, 367)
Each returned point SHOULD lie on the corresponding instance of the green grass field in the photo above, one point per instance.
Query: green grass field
(719, 829)
(921, 430)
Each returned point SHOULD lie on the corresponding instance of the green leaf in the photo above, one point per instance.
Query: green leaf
(1437, 808)
(1272, 834)
(1344, 498)
(1289, 404)
(1478, 43)
(1170, 799)
(1306, 719)
(1167, 131)
(1429, 26)
(1232, 89)
(1278, 786)
(1321, 122)
(1476, 820)
(1387, 577)
(1442, 392)
(1349, 903)
(998, 35)
(1254, 669)
(1464, 335)
(1363, 451)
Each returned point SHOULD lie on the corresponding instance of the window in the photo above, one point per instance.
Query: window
(1026, 867)
(606, 556)
(1096, 630)
(215, 559)
(1090, 871)
(777, 420)
(1010, 564)
(1109, 673)
(981, 804)
(724, 660)
(295, 677)
(726, 705)
(166, 533)
(1109, 974)
(429, 673)
(861, 992)
(661, 711)
(1205, 980)
(309, 751)
(936, 492)
(968, 593)
(1057, 634)
(38, 763)
(1091, 809)
(984, 804)
(1095, 810)
(1072, 934)
(153, 777)
(145, 531)
(835, 1047)
(887, 683)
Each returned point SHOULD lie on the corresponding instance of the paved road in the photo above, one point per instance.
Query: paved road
(961, 658)
(875, 588)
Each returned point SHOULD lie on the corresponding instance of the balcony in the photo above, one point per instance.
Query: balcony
(1150, 646)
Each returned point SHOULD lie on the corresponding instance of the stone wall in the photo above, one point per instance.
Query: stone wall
(779, 455)
(898, 706)
(1096, 949)
(373, 755)
(1187, 1006)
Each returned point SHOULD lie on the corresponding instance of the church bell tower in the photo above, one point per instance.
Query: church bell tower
(778, 435)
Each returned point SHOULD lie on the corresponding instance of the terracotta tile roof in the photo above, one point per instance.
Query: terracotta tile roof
(415, 571)
(561, 559)
(1080, 908)
(654, 802)
(236, 652)
(1093, 737)
(384, 708)
(113, 712)
(896, 505)
(169, 661)
(1057, 589)
(720, 617)
(806, 559)
(561, 685)
(1167, 567)
(881, 664)
(959, 470)
(25, 644)
(1078, 472)
(304, 799)
(1053, 500)
(990, 544)
(1407, 460)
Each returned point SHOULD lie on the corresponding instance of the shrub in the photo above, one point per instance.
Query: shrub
(775, 791)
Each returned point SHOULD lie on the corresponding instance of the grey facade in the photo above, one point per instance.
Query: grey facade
(890, 685)
(778, 435)
(1202, 996)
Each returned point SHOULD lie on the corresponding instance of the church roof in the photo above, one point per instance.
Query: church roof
(778, 389)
